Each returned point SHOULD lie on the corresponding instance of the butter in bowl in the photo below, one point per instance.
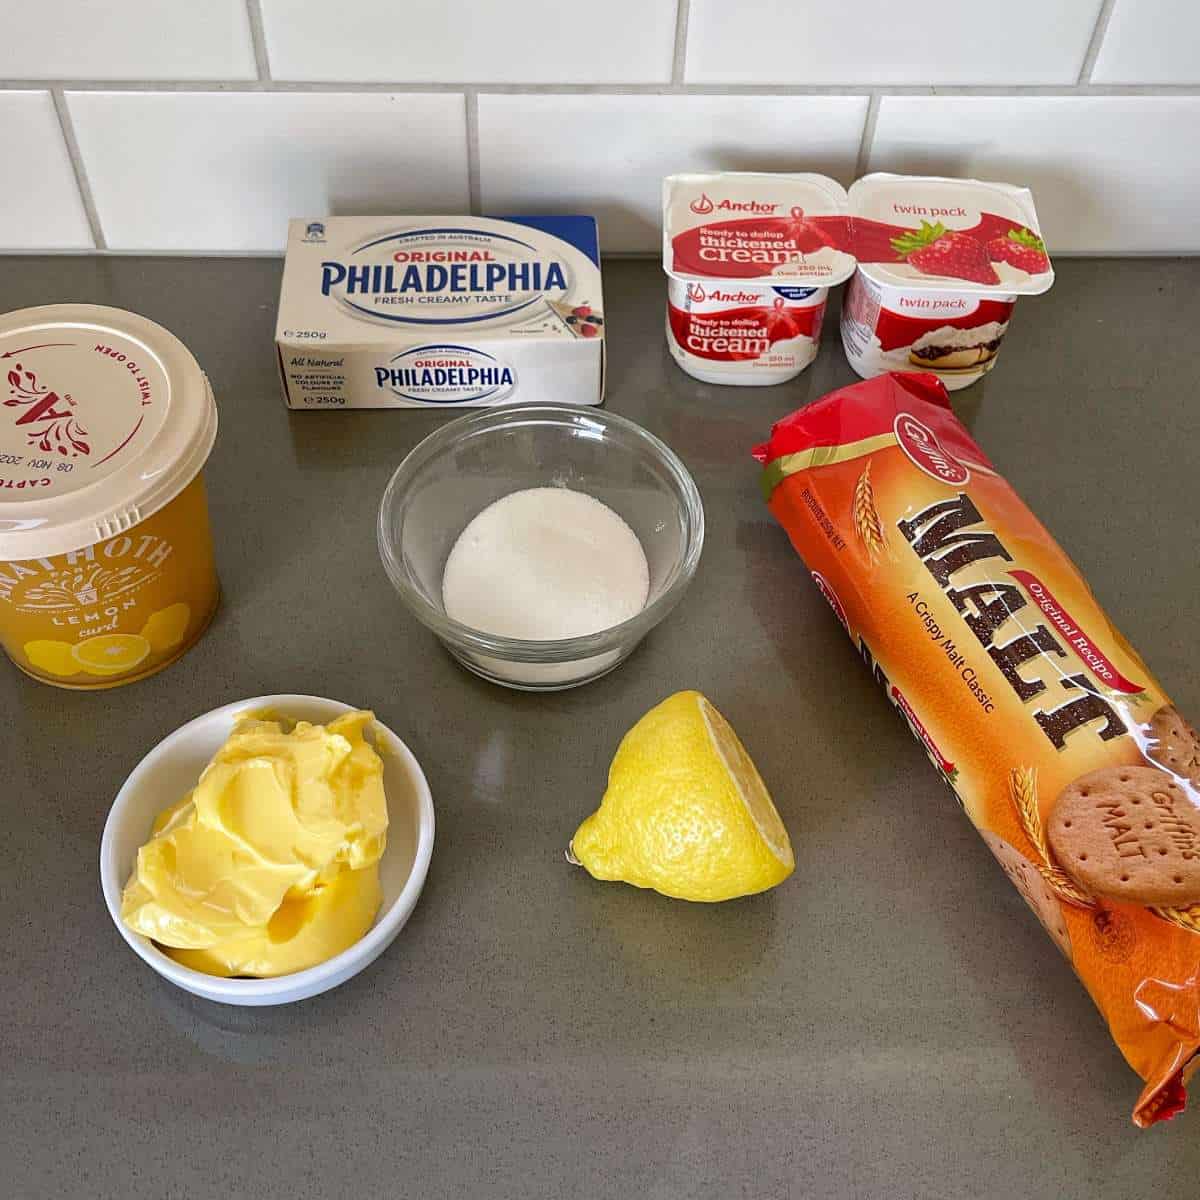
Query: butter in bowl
(269, 850)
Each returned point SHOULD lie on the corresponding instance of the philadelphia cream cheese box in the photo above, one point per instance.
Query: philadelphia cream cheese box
(456, 312)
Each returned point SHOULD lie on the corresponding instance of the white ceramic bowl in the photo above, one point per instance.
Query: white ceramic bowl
(172, 768)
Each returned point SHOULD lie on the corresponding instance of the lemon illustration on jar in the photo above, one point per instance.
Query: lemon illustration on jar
(164, 629)
(111, 653)
(55, 658)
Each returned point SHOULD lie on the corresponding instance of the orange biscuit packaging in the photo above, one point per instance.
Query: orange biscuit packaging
(1077, 770)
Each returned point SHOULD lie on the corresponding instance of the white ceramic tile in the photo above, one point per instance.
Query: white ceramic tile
(1151, 41)
(225, 170)
(1109, 173)
(607, 154)
(486, 41)
(125, 39)
(882, 42)
(40, 208)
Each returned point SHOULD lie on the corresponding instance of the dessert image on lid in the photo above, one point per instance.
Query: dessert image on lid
(955, 335)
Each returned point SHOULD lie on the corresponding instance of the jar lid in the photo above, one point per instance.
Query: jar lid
(105, 417)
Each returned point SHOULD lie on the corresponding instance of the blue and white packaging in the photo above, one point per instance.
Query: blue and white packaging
(441, 312)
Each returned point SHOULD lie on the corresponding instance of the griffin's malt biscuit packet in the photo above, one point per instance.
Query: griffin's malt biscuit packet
(1061, 746)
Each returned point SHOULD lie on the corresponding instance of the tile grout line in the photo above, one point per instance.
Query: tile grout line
(868, 136)
(1099, 30)
(289, 87)
(67, 128)
(621, 255)
(683, 15)
(469, 93)
(258, 37)
(474, 191)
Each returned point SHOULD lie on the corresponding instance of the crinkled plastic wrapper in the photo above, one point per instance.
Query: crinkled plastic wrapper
(1063, 749)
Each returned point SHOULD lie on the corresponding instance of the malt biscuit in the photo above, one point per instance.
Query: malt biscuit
(1036, 892)
(1129, 833)
(1174, 744)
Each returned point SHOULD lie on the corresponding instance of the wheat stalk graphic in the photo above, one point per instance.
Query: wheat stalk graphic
(867, 522)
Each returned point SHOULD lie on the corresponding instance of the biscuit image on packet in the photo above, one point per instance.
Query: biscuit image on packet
(1067, 756)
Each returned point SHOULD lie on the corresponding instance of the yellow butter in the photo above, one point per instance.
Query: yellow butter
(271, 863)
(301, 934)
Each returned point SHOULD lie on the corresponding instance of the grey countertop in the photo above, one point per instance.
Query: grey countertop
(892, 1022)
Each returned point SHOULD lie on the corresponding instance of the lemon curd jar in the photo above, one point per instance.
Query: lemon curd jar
(106, 562)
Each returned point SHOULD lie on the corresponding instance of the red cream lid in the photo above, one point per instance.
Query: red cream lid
(955, 235)
(756, 226)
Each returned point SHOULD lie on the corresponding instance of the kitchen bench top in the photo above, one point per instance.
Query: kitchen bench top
(891, 1022)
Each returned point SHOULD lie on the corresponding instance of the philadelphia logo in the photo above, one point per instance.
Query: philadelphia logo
(443, 275)
(446, 374)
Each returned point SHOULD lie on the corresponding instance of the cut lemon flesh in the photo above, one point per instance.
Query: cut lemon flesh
(749, 783)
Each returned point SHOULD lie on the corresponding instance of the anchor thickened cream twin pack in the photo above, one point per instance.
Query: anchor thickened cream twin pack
(935, 266)
(416, 312)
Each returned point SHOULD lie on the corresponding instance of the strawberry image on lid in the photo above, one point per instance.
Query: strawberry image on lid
(1022, 249)
(936, 250)
(962, 235)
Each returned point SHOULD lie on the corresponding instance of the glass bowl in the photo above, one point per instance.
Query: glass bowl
(466, 465)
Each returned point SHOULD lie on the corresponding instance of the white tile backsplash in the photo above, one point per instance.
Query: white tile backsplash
(202, 125)
(428, 41)
(39, 202)
(1151, 41)
(125, 39)
(1107, 172)
(224, 171)
(607, 154)
(882, 42)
